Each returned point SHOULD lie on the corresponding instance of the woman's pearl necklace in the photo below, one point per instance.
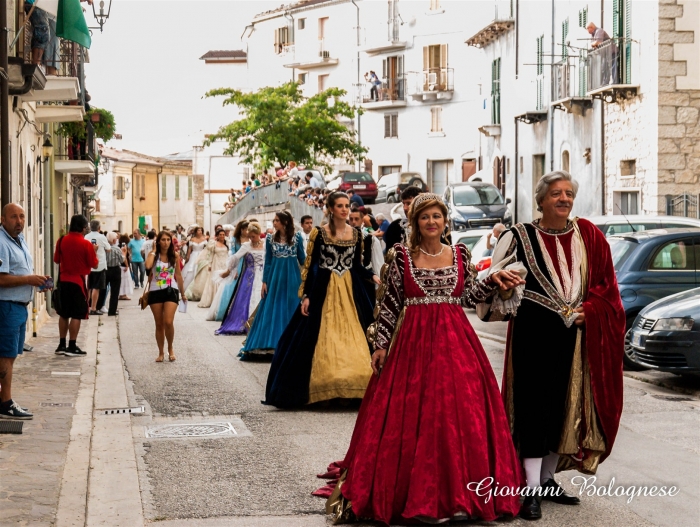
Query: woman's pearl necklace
(432, 255)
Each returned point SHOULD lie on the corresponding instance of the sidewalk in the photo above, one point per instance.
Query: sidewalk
(31, 464)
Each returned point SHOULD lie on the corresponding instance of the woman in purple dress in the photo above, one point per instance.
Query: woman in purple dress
(248, 290)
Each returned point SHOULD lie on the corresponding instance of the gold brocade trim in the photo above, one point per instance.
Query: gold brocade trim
(443, 299)
(399, 323)
(328, 240)
(381, 292)
(307, 262)
(251, 319)
(338, 506)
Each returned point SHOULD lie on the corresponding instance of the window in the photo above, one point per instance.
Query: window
(583, 17)
(383, 171)
(391, 124)
(140, 189)
(283, 38)
(190, 184)
(496, 91)
(677, 255)
(120, 189)
(564, 36)
(322, 83)
(628, 167)
(301, 78)
(436, 119)
(508, 165)
(163, 187)
(434, 5)
(301, 23)
(322, 27)
(177, 187)
(393, 87)
(435, 67)
(97, 205)
(565, 163)
(627, 202)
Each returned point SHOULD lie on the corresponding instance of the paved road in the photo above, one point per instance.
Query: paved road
(265, 478)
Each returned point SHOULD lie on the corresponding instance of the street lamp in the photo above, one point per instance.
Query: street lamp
(105, 164)
(102, 17)
(46, 150)
(127, 185)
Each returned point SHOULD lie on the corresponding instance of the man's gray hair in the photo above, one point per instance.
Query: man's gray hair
(499, 227)
(545, 181)
(95, 225)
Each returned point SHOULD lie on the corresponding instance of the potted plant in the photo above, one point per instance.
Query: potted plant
(102, 123)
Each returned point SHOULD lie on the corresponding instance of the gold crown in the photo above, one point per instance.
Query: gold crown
(422, 198)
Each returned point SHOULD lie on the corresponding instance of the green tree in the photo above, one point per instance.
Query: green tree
(280, 125)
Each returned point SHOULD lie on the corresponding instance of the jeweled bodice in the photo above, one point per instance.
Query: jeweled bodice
(435, 282)
(337, 255)
(256, 258)
(283, 250)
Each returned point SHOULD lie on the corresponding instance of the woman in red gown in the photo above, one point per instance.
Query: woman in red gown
(432, 425)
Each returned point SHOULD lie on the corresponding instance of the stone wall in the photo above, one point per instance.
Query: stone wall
(679, 98)
(199, 199)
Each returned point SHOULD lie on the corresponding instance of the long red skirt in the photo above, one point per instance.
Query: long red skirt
(432, 427)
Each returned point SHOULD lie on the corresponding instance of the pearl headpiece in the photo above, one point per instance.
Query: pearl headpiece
(422, 198)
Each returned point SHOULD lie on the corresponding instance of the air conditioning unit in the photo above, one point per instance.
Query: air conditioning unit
(324, 54)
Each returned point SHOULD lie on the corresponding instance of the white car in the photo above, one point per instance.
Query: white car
(619, 224)
(481, 254)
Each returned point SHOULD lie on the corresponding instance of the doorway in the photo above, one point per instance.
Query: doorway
(499, 174)
(537, 173)
(438, 175)
(468, 168)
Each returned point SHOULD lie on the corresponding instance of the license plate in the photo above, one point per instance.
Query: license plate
(637, 340)
(359, 186)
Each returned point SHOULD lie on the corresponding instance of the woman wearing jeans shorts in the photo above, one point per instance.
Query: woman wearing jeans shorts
(163, 265)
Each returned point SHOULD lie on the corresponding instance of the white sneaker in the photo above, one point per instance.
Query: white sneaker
(104, 310)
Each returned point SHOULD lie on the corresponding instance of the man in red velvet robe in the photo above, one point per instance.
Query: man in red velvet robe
(562, 383)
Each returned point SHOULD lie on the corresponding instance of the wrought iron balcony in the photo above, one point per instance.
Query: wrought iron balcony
(391, 93)
(432, 84)
(569, 85)
(611, 73)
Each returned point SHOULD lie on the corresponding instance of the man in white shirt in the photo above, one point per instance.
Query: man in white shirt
(97, 281)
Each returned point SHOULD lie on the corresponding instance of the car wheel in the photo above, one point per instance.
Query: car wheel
(391, 198)
(628, 363)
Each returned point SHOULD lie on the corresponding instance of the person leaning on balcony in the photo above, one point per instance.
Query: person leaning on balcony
(40, 30)
(598, 33)
(609, 60)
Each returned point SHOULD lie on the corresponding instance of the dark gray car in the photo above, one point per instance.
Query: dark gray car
(476, 205)
(665, 335)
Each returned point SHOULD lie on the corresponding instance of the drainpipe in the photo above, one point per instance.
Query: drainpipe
(5, 184)
(602, 132)
(550, 110)
(517, 164)
(289, 16)
(359, 126)
(517, 37)
(48, 231)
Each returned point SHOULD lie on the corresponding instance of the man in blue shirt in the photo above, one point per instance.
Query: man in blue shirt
(355, 198)
(138, 265)
(17, 283)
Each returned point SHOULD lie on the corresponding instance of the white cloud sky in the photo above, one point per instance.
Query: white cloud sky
(145, 68)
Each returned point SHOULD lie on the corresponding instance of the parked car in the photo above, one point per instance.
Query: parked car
(468, 238)
(481, 254)
(621, 224)
(665, 335)
(476, 205)
(390, 186)
(361, 182)
(651, 265)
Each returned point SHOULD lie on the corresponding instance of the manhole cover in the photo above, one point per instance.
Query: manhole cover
(11, 427)
(672, 398)
(58, 405)
(214, 429)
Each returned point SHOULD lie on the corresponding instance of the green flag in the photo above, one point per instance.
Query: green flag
(70, 23)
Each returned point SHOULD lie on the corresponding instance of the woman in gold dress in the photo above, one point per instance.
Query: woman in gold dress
(323, 353)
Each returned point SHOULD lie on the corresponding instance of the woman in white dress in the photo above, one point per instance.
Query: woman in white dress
(249, 285)
(195, 247)
(127, 284)
(218, 263)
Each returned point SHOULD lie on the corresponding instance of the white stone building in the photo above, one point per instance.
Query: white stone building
(510, 89)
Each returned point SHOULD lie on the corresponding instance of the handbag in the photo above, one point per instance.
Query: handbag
(143, 301)
(56, 293)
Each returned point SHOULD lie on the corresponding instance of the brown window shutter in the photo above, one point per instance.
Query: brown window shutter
(395, 125)
(387, 125)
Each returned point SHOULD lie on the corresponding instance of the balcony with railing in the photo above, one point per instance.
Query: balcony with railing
(78, 157)
(390, 94)
(384, 37)
(611, 70)
(432, 84)
(307, 55)
(503, 22)
(570, 84)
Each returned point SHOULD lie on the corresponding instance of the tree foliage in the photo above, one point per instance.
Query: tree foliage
(280, 125)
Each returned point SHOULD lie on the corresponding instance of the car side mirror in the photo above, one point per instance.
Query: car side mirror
(508, 200)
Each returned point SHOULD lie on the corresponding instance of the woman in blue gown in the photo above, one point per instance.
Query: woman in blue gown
(284, 253)
(217, 311)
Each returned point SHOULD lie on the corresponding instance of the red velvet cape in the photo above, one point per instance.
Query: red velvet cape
(604, 332)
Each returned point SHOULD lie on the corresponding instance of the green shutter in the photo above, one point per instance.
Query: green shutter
(628, 42)
(617, 19)
(564, 34)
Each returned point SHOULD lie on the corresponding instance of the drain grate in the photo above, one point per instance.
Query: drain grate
(115, 411)
(672, 398)
(11, 427)
(213, 429)
(65, 373)
(58, 405)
